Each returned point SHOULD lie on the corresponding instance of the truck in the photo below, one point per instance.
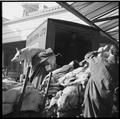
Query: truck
(71, 40)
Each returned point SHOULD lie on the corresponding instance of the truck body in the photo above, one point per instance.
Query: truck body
(71, 40)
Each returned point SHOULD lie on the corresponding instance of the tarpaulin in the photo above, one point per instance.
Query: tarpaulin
(99, 89)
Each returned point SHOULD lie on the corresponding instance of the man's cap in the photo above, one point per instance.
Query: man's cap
(42, 56)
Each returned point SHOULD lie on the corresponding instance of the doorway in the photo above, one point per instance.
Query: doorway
(71, 45)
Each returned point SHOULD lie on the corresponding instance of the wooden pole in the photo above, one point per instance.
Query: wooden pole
(19, 105)
(46, 93)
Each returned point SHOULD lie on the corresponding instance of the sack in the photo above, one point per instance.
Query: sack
(31, 102)
(9, 99)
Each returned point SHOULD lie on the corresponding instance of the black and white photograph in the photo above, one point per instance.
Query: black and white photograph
(60, 59)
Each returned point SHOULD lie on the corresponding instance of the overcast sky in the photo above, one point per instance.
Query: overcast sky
(11, 10)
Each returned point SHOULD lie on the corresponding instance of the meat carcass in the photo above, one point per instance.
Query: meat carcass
(69, 99)
(56, 74)
(8, 83)
(78, 75)
(26, 53)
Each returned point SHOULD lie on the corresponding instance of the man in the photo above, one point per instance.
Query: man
(42, 63)
(98, 100)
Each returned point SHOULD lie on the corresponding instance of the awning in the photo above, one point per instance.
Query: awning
(102, 15)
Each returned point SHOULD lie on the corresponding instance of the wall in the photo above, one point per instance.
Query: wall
(18, 30)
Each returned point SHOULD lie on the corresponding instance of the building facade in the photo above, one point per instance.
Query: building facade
(15, 32)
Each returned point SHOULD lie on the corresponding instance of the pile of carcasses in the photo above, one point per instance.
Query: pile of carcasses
(65, 95)
(64, 92)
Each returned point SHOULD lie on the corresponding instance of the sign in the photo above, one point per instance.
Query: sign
(38, 36)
